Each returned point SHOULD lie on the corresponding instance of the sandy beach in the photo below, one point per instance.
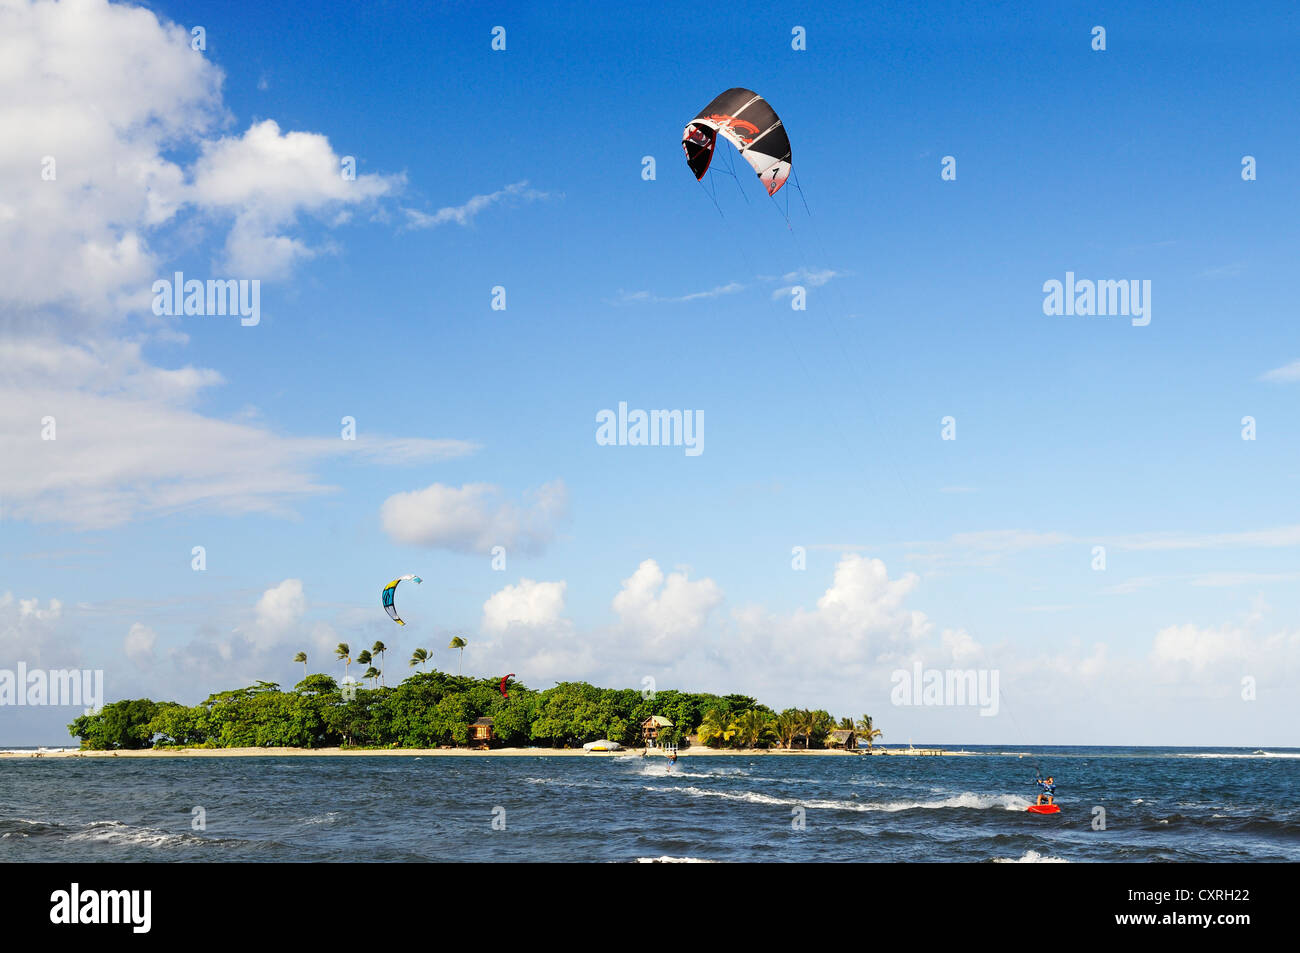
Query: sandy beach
(461, 753)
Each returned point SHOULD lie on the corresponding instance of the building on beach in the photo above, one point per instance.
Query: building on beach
(651, 727)
(843, 738)
(480, 733)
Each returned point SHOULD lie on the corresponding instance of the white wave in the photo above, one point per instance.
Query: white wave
(329, 817)
(1030, 857)
(1254, 754)
(672, 860)
(117, 833)
(1007, 802)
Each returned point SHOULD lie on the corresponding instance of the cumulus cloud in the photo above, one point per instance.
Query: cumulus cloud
(527, 603)
(266, 179)
(90, 153)
(95, 95)
(474, 518)
(664, 612)
(863, 598)
(115, 152)
(278, 612)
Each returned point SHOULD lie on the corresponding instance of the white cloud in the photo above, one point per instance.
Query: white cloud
(34, 634)
(139, 644)
(640, 297)
(863, 597)
(665, 614)
(104, 90)
(112, 95)
(806, 278)
(128, 445)
(278, 612)
(474, 518)
(464, 214)
(988, 546)
(101, 106)
(1222, 654)
(1273, 537)
(1285, 374)
(266, 179)
(528, 603)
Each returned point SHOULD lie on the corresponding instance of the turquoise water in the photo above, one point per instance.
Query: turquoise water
(1160, 804)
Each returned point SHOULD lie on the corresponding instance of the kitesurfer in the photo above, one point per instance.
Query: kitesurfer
(1048, 789)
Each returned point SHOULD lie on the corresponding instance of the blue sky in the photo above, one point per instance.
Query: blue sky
(822, 427)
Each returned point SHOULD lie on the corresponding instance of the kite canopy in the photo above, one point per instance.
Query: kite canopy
(390, 590)
(752, 126)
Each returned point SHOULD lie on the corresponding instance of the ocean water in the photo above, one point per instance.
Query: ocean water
(1160, 805)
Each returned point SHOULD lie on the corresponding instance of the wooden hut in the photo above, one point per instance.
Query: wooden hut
(651, 727)
(480, 733)
(843, 738)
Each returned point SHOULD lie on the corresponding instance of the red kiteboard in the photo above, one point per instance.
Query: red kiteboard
(1043, 809)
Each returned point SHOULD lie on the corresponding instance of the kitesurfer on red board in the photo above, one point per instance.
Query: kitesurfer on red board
(1048, 791)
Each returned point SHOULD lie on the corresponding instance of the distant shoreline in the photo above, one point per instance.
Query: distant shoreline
(693, 752)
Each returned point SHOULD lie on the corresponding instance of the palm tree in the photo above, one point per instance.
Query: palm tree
(868, 732)
(344, 653)
(846, 724)
(379, 648)
(717, 726)
(787, 726)
(363, 658)
(371, 672)
(420, 656)
(753, 728)
(459, 643)
(302, 657)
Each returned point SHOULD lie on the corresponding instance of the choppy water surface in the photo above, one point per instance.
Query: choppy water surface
(1160, 805)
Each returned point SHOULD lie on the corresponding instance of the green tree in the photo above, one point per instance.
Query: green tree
(302, 657)
(420, 656)
(787, 726)
(717, 728)
(344, 654)
(379, 648)
(123, 724)
(317, 685)
(754, 729)
(817, 725)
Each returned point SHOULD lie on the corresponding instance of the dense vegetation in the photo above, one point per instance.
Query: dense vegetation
(430, 709)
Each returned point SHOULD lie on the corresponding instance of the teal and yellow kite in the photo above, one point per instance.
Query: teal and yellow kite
(389, 591)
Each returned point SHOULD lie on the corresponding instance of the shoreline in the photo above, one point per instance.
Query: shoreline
(700, 752)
